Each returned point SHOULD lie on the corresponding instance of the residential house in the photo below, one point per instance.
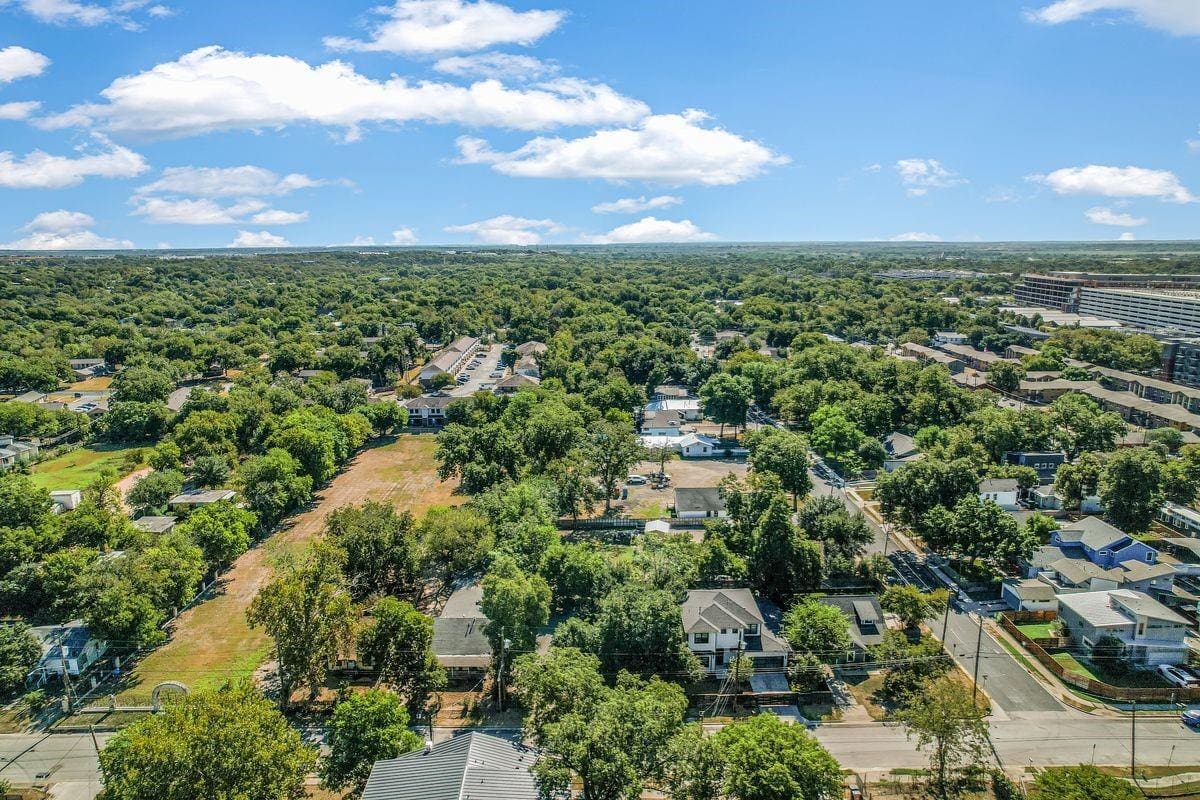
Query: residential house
(864, 618)
(1029, 594)
(1101, 543)
(695, 445)
(720, 623)
(688, 406)
(1045, 464)
(68, 648)
(1001, 491)
(1181, 518)
(699, 503)
(194, 498)
(900, 449)
(667, 391)
(461, 647)
(928, 354)
(1151, 633)
(949, 337)
(663, 423)
(84, 368)
(530, 349)
(515, 383)
(428, 411)
(474, 766)
(976, 359)
(449, 360)
(158, 525)
(13, 452)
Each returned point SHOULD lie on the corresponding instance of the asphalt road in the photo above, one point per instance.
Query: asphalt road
(67, 760)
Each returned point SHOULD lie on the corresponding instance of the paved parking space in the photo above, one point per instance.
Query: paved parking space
(646, 502)
(481, 375)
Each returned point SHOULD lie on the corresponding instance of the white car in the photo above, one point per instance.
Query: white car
(635, 480)
(1177, 677)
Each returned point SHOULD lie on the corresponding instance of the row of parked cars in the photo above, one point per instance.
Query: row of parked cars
(463, 377)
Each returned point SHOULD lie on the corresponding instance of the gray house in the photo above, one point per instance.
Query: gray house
(474, 766)
(1151, 633)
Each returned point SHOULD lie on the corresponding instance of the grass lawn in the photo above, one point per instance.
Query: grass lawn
(92, 384)
(1036, 630)
(1137, 679)
(211, 642)
(1073, 664)
(78, 468)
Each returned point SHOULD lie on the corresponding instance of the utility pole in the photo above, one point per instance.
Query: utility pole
(946, 621)
(1133, 742)
(66, 673)
(500, 671)
(978, 645)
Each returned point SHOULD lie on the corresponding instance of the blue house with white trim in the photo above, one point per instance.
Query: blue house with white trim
(1102, 544)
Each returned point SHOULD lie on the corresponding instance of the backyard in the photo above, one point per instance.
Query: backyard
(1136, 679)
(211, 642)
(78, 468)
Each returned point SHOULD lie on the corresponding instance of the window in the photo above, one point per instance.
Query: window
(752, 630)
(724, 631)
(700, 638)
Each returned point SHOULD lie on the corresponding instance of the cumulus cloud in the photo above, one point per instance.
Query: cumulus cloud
(1127, 236)
(20, 62)
(243, 181)
(652, 229)
(22, 110)
(636, 205)
(193, 211)
(212, 89)
(915, 236)
(40, 170)
(920, 175)
(275, 216)
(672, 149)
(404, 235)
(73, 12)
(1106, 216)
(425, 27)
(258, 239)
(1117, 182)
(358, 241)
(496, 65)
(1179, 17)
(63, 230)
(508, 229)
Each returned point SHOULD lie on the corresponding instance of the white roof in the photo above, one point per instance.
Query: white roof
(674, 404)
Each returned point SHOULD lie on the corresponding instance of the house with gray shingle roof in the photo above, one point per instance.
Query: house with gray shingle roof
(717, 622)
(474, 766)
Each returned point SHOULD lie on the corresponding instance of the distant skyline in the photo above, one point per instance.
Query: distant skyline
(139, 124)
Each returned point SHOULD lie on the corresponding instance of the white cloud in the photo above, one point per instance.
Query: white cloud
(215, 89)
(40, 170)
(915, 236)
(1117, 182)
(20, 110)
(1194, 145)
(1127, 236)
(1179, 17)
(652, 229)
(193, 211)
(636, 205)
(19, 62)
(922, 174)
(424, 27)
(63, 230)
(497, 65)
(73, 12)
(274, 216)
(507, 229)
(673, 149)
(404, 235)
(258, 239)
(244, 181)
(1106, 216)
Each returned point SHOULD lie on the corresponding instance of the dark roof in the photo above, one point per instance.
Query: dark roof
(706, 499)
(431, 401)
(863, 614)
(998, 485)
(899, 445)
(474, 766)
(460, 636)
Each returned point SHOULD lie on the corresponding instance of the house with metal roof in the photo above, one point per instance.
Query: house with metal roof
(718, 623)
(194, 498)
(155, 524)
(699, 503)
(69, 648)
(1151, 633)
(901, 449)
(474, 766)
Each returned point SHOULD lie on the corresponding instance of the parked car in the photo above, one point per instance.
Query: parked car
(1191, 717)
(635, 480)
(1177, 677)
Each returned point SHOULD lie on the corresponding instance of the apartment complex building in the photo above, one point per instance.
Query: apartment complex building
(1164, 302)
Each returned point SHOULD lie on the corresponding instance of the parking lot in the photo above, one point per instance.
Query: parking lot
(646, 502)
(490, 362)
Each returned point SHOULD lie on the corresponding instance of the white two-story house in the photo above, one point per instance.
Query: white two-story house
(720, 622)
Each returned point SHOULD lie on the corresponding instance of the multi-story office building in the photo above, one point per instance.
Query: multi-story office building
(1164, 302)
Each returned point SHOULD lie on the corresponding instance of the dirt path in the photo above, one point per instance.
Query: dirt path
(126, 483)
(211, 642)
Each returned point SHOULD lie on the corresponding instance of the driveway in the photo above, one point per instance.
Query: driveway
(481, 374)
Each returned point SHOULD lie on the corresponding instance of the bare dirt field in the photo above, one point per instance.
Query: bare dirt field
(646, 502)
(211, 642)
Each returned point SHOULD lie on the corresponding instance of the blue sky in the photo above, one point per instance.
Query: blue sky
(205, 124)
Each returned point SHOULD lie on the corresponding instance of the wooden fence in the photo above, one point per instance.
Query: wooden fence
(1009, 621)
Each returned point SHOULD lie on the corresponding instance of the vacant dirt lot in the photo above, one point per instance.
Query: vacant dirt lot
(647, 503)
(211, 642)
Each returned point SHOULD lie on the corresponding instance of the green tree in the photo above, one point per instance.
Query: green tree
(1084, 782)
(20, 652)
(821, 630)
(221, 530)
(308, 613)
(209, 472)
(1080, 424)
(397, 642)
(364, 728)
(272, 484)
(454, 540)
(610, 449)
(229, 743)
(382, 552)
(1131, 488)
(784, 453)
(826, 519)
(516, 605)
(726, 399)
(947, 724)
(151, 493)
(142, 384)
(549, 687)
(1006, 376)
(797, 766)
(783, 562)
(640, 630)
(911, 604)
